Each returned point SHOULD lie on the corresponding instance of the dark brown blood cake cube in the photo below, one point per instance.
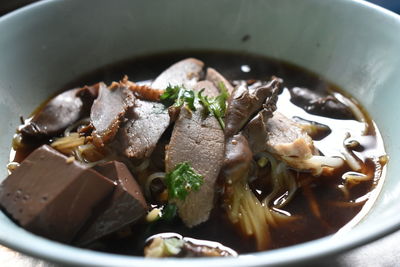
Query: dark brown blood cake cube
(52, 196)
(126, 206)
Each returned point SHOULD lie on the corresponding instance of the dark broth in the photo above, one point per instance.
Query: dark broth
(334, 212)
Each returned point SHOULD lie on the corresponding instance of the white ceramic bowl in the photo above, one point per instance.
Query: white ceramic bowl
(352, 43)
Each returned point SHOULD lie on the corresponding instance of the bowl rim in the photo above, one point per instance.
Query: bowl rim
(19, 239)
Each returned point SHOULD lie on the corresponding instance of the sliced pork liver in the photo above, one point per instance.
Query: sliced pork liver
(199, 141)
(209, 89)
(126, 205)
(142, 130)
(148, 121)
(52, 197)
(60, 112)
(108, 110)
(216, 78)
(243, 104)
(185, 72)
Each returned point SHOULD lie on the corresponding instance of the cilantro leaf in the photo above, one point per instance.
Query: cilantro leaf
(169, 212)
(216, 105)
(185, 97)
(204, 101)
(178, 96)
(182, 180)
(170, 93)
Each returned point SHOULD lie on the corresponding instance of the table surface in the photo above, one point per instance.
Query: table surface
(383, 252)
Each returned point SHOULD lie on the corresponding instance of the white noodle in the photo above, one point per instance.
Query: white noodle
(355, 177)
(94, 163)
(350, 159)
(254, 217)
(315, 164)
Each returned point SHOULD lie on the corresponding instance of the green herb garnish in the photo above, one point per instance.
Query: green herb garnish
(170, 93)
(169, 212)
(215, 105)
(173, 246)
(182, 180)
(179, 96)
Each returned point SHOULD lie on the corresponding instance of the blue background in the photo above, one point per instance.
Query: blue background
(393, 5)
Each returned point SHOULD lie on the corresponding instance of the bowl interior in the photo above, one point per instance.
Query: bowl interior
(351, 43)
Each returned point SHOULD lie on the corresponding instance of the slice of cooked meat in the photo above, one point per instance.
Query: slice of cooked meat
(320, 104)
(142, 130)
(60, 112)
(149, 120)
(210, 89)
(317, 131)
(88, 94)
(200, 142)
(141, 91)
(287, 139)
(185, 72)
(108, 110)
(256, 131)
(216, 78)
(243, 104)
(238, 157)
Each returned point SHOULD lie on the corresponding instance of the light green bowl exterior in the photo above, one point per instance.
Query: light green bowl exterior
(352, 43)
